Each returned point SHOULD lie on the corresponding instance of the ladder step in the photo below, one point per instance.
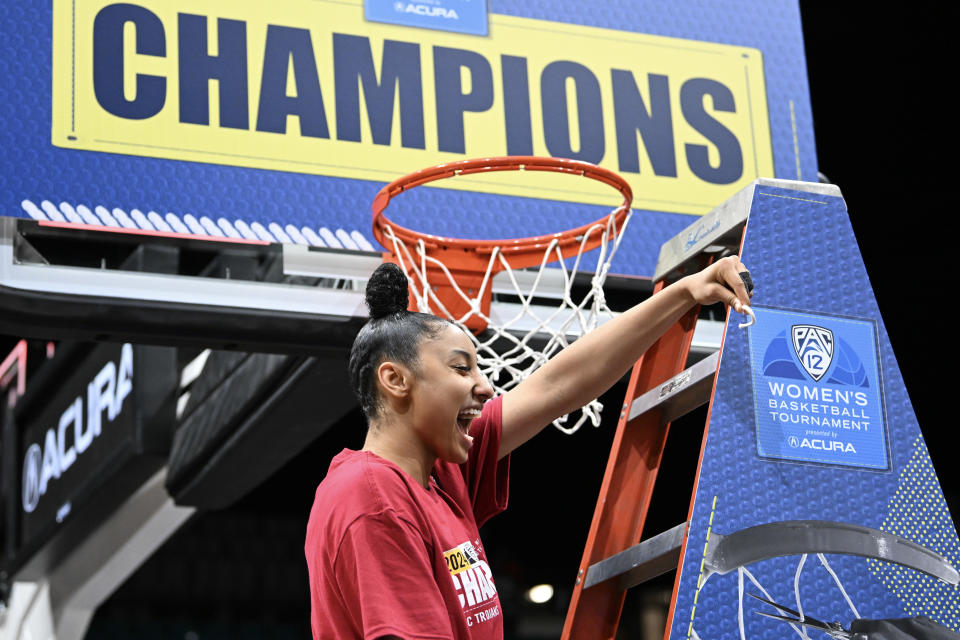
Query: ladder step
(680, 394)
(641, 562)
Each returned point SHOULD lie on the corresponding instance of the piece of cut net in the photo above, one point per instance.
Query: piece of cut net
(799, 629)
(511, 348)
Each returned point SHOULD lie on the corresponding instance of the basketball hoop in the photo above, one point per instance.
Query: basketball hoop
(453, 277)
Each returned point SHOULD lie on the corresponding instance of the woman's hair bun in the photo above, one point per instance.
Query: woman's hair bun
(387, 291)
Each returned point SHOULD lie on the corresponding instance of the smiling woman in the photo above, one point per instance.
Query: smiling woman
(391, 521)
(393, 547)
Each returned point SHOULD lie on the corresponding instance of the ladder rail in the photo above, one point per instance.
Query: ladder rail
(627, 484)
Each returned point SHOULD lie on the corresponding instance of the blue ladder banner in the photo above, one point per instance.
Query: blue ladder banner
(815, 489)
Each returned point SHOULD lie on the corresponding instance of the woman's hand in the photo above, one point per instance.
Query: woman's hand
(721, 282)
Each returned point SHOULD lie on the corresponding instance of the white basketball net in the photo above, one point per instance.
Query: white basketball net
(559, 325)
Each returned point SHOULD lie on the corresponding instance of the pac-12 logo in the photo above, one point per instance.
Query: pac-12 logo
(814, 348)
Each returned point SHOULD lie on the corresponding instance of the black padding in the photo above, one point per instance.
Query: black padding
(262, 413)
(231, 386)
(217, 368)
(747, 281)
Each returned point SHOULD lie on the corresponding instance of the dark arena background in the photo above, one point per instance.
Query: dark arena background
(233, 565)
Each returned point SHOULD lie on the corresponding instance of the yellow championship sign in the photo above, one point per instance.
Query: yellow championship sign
(310, 86)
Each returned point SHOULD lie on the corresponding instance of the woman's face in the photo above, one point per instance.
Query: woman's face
(448, 394)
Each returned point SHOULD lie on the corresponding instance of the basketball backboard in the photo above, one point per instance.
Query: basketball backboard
(280, 122)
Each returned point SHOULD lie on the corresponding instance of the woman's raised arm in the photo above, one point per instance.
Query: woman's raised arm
(593, 363)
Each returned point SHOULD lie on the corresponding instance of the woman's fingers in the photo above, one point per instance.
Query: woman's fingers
(727, 281)
(730, 274)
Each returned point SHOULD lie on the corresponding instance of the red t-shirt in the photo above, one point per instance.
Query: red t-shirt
(387, 556)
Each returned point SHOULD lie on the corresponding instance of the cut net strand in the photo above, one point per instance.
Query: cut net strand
(801, 629)
(826, 565)
(796, 593)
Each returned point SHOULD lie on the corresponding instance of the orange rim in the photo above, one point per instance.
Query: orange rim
(523, 252)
